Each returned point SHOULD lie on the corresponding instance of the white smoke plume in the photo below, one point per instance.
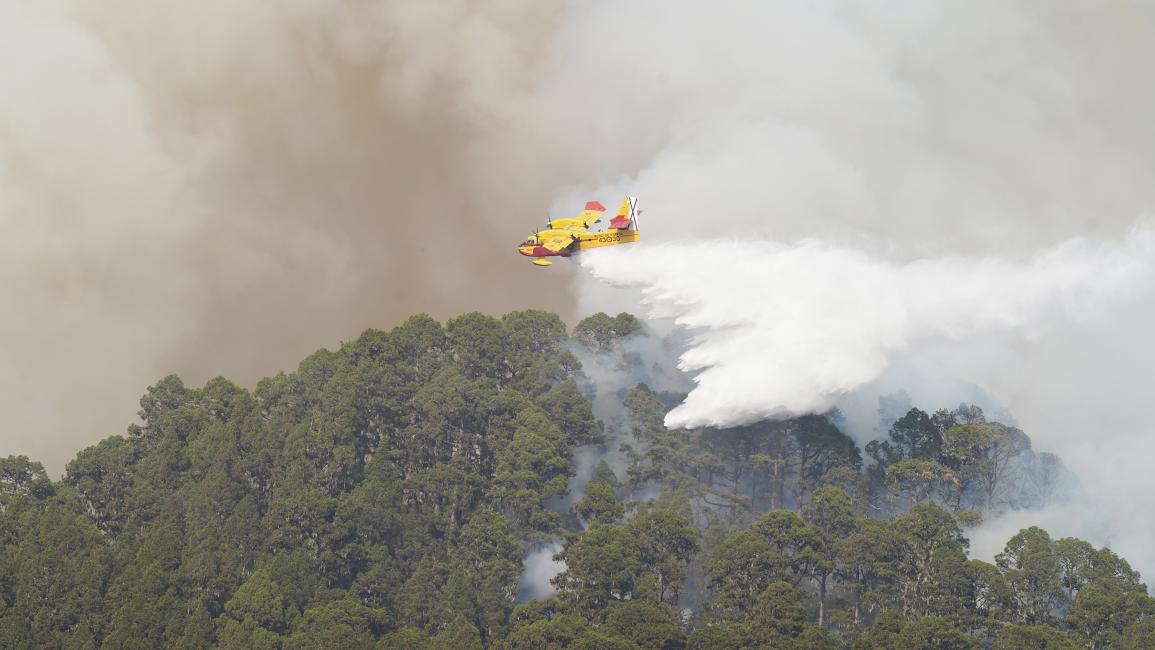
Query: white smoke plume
(538, 569)
(784, 330)
(996, 154)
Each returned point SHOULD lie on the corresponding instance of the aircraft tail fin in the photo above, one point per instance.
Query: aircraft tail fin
(627, 215)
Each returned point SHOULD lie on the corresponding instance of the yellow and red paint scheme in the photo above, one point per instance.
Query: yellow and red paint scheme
(565, 237)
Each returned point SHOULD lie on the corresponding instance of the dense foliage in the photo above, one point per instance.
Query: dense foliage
(384, 496)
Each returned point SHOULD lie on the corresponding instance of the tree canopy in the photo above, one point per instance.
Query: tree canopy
(386, 494)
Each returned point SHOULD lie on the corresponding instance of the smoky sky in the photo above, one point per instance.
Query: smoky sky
(220, 188)
(216, 188)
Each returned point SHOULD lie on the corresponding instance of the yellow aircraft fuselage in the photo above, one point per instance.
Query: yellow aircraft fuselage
(565, 237)
(584, 242)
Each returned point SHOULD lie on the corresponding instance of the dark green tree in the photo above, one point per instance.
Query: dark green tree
(600, 332)
(647, 625)
(603, 565)
(830, 514)
(600, 502)
(1033, 575)
(934, 633)
(1032, 637)
(916, 436)
(666, 541)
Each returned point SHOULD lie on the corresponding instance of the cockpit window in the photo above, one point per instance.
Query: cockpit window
(532, 240)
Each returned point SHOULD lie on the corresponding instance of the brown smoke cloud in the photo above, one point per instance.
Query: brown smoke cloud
(221, 188)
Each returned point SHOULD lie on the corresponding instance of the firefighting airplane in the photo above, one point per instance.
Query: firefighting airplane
(564, 237)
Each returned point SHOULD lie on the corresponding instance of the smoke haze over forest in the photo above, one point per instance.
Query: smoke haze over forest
(219, 189)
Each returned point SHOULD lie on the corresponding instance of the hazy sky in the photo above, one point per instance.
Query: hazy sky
(220, 188)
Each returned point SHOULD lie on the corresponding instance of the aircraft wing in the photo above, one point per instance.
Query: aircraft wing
(557, 242)
(591, 214)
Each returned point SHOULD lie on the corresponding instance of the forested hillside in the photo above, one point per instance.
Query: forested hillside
(386, 495)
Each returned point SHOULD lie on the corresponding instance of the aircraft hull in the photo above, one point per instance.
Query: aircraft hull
(589, 240)
(584, 242)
